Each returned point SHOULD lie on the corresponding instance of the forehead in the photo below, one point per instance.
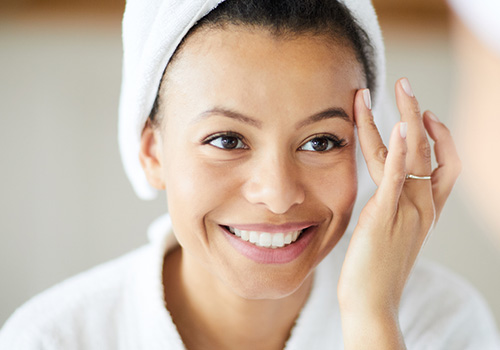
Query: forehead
(260, 45)
(240, 64)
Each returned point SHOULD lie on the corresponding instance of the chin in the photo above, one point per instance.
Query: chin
(268, 288)
(261, 282)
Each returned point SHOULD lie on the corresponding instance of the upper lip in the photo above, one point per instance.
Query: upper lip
(288, 227)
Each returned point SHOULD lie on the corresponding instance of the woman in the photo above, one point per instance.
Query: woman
(254, 112)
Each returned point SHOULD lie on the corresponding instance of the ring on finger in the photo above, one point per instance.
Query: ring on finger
(417, 177)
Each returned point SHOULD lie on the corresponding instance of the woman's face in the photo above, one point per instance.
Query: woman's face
(257, 147)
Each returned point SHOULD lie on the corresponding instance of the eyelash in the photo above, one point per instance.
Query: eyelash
(336, 143)
(208, 140)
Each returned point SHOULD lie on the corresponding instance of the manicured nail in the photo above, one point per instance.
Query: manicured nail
(403, 129)
(368, 99)
(407, 87)
(432, 116)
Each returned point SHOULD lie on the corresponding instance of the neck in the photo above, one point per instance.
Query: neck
(210, 316)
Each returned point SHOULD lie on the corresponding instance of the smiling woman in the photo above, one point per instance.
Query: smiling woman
(283, 145)
(247, 114)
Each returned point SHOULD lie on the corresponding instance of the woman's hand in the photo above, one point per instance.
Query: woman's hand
(396, 221)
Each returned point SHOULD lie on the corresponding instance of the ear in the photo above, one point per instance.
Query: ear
(150, 156)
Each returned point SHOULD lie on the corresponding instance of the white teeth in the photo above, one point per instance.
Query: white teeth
(245, 235)
(266, 239)
(278, 240)
(254, 237)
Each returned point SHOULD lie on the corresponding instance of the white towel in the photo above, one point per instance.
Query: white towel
(153, 29)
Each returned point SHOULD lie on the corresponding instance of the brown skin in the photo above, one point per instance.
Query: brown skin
(220, 299)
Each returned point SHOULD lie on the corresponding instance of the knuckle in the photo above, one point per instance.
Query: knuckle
(367, 121)
(381, 154)
(416, 109)
(424, 149)
(370, 122)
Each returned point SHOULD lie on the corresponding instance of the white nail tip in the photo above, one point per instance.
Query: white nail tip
(368, 99)
(433, 116)
(407, 87)
(403, 129)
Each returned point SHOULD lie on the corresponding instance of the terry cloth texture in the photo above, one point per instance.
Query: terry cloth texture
(120, 305)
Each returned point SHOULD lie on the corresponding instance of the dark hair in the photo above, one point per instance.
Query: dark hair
(290, 18)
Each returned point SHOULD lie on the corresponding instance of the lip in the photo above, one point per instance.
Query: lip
(288, 227)
(264, 255)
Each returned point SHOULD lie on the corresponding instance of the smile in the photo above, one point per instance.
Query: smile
(271, 244)
(266, 239)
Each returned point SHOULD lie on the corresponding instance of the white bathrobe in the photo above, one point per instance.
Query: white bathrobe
(120, 305)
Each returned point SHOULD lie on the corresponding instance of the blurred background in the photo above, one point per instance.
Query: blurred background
(65, 204)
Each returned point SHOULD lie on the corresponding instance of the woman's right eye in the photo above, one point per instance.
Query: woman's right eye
(227, 142)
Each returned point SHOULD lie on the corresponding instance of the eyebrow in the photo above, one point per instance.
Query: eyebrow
(230, 114)
(329, 113)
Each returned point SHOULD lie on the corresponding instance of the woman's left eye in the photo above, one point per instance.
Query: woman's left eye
(322, 144)
(227, 142)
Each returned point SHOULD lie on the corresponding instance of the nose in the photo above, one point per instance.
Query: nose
(275, 183)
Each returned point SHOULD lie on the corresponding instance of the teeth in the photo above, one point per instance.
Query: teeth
(254, 237)
(245, 235)
(266, 239)
(278, 240)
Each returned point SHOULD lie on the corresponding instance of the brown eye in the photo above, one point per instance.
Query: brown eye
(227, 142)
(322, 144)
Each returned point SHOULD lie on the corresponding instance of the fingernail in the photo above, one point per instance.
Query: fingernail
(407, 87)
(368, 99)
(433, 116)
(403, 129)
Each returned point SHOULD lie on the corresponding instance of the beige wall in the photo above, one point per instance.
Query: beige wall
(65, 203)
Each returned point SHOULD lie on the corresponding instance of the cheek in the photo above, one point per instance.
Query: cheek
(337, 191)
(194, 189)
(336, 186)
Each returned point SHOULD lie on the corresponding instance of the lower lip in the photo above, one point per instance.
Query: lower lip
(271, 255)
